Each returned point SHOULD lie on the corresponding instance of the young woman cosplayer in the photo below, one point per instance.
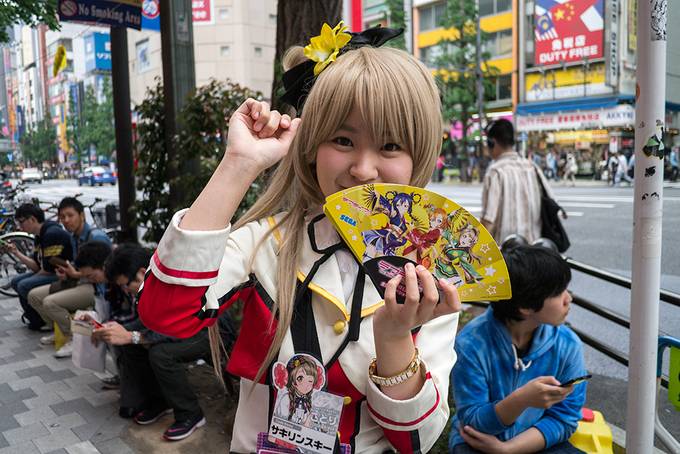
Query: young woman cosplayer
(371, 115)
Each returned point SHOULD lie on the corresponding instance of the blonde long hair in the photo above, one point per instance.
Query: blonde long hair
(398, 101)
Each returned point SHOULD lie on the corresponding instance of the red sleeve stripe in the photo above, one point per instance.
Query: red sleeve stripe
(182, 274)
(392, 422)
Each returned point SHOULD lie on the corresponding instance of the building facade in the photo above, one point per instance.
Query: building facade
(577, 79)
(232, 40)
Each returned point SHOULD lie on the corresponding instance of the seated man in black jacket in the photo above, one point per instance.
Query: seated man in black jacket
(52, 243)
(152, 366)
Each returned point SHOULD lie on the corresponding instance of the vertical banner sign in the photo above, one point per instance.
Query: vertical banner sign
(568, 31)
(632, 25)
(151, 15)
(120, 13)
(612, 42)
(202, 12)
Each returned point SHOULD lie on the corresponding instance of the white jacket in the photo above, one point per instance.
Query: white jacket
(197, 274)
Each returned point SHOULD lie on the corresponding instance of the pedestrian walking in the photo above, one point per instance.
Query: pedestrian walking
(675, 163)
(570, 169)
(370, 115)
(511, 194)
(622, 170)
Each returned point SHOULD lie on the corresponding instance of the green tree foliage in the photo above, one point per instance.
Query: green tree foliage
(93, 125)
(397, 19)
(457, 68)
(40, 143)
(29, 12)
(204, 126)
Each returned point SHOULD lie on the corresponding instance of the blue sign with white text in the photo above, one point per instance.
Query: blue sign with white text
(98, 52)
(122, 13)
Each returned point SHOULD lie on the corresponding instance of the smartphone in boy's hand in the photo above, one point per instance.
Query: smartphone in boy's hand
(576, 381)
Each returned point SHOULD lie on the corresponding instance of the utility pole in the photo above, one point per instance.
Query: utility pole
(179, 79)
(408, 24)
(647, 216)
(480, 86)
(120, 83)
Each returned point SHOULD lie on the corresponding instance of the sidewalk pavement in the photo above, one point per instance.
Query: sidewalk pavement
(47, 405)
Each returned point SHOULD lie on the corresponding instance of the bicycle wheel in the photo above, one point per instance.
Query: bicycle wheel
(11, 266)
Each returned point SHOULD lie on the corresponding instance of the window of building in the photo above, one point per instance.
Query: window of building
(225, 51)
(498, 43)
(258, 51)
(67, 44)
(143, 57)
(224, 13)
(487, 7)
(501, 90)
(505, 87)
(504, 42)
(431, 16)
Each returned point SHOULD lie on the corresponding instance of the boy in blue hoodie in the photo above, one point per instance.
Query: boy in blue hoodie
(512, 360)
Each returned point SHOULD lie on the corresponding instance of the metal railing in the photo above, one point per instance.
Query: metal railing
(618, 356)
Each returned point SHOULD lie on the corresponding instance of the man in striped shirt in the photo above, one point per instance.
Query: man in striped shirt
(511, 194)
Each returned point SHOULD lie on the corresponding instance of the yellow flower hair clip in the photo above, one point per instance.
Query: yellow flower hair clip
(323, 49)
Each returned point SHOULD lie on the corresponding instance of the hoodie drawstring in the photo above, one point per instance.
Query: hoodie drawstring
(519, 364)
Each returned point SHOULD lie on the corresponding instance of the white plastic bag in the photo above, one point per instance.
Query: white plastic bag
(85, 354)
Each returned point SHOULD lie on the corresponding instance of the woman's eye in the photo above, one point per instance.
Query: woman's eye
(342, 141)
(392, 147)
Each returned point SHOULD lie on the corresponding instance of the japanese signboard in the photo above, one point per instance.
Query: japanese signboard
(621, 115)
(674, 378)
(97, 52)
(121, 13)
(568, 31)
(202, 12)
(572, 82)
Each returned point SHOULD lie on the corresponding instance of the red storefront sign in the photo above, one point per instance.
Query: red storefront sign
(202, 11)
(567, 31)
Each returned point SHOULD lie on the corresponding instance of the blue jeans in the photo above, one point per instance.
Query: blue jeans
(24, 283)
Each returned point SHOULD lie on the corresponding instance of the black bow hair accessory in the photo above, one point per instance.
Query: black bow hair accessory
(299, 80)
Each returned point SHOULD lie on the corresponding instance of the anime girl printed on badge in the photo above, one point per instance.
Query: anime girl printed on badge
(297, 382)
(394, 205)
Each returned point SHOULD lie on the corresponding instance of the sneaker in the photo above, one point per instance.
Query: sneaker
(151, 415)
(111, 382)
(65, 351)
(127, 412)
(182, 429)
(47, 340)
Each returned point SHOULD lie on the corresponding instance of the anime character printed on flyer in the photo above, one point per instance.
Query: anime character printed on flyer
(454, 263)
(421, 242)
(296, 381)
(396, 206)
(304, 416)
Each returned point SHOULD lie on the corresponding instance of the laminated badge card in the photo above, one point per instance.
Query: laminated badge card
(388, 225)
(305, 417)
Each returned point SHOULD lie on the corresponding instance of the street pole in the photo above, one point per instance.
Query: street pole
(120, 83)
(480, 88)
(179, 79)
(647, 215)
(408, 25)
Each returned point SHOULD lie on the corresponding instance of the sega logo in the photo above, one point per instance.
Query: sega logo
(347, 219)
